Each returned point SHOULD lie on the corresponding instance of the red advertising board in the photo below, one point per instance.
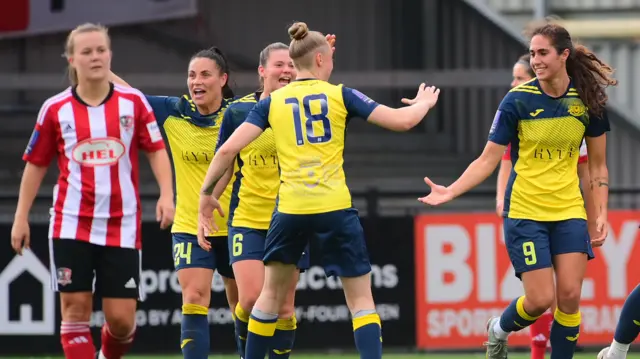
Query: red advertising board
(464, 276)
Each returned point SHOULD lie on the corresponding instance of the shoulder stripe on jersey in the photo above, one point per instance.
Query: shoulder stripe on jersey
(134, 91)
(248, 98)
(62, 96)
(517, 89)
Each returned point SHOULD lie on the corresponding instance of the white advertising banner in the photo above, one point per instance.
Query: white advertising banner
(34, 17)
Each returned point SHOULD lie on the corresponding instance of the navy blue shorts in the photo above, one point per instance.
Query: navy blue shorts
(248, 243)
(533, 244)
(339, 235)
(188, 254)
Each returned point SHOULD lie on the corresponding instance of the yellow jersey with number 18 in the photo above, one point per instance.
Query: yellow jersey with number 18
(309, 120)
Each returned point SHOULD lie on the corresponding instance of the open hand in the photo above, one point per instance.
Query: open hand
(439, 194)
(425, 94)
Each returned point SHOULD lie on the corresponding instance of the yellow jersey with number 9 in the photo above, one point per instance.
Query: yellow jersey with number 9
(309, 120)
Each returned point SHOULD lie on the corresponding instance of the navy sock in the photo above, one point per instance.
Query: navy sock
(564, 334)
(515, 318)
(629, 322)
(242, 328)
(262, 327)
(283, 338)
(367, 332)
(194, 334)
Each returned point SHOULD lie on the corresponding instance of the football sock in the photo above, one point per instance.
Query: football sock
(194, 334)
(262, 327)
(515, 318)
(112, 347)
(628, 326)
(242, 327)
(76, 340)
(539, 333)
(565, 331)
(283, 338)
(367, 331)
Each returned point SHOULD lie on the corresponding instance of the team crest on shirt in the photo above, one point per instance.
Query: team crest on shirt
(64, 276)
(577, 109)
(126, 122)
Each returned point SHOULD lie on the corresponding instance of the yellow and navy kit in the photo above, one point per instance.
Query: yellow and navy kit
(545, 134)
(309, 120)
(255, 188)
(191, 138)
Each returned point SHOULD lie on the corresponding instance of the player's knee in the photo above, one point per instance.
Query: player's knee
(76, 307)
(539, 301)
(120, 315)
(569, 298)
(196, 295)
(121, 326)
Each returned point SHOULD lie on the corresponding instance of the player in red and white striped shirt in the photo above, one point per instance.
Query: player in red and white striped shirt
(96, 129)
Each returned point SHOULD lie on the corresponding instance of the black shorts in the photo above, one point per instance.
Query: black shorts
(76, 264)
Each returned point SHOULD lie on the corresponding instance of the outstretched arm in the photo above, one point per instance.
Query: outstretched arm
(240, 139)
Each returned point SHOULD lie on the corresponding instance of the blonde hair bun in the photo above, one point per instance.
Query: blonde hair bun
(298, 31)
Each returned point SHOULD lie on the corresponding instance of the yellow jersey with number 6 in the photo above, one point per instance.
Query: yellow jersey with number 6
(309, 120)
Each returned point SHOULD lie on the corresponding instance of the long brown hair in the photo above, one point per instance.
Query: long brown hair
(69, 46)
(590, 75)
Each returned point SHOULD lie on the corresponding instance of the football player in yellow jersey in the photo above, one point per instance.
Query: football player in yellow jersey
(253, 200)
(539, 331)
(190, 125)
(545, 228)
(308, 119)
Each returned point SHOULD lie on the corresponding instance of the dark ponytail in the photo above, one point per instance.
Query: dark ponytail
(216, 55)
(590, 75)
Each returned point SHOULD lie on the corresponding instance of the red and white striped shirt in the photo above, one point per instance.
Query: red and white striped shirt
(582, 159)
(96, 198)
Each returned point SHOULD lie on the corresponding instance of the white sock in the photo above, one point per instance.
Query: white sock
(618, 350)
(101, 356)
(499, 332)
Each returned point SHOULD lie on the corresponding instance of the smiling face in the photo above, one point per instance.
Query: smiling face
(205, 81)
(546, 62)
(90, 55)
(278, 71)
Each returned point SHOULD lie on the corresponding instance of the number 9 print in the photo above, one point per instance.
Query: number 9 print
(529, 251)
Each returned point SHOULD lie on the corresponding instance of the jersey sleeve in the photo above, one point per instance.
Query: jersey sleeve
(507, 154)
(598, 125)
(505, 123)
(357, 103)
(162, 106)
(259, 115)
(149, 136)
(42, 144)
(583, 153)
(227, 127)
